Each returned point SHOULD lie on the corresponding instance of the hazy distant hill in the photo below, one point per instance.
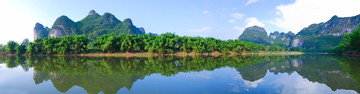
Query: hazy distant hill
(93, 25)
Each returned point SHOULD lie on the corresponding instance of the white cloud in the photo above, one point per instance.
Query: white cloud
(237, 16)
(253, 84)
(251, 1)
(232, 20)
(303, 13)
(253, 21)
(203, 29)
(278, 13)
(205, 12)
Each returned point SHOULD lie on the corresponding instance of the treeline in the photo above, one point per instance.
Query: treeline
(171, 43)
(162, 44)
(49, 45)
(351, 42)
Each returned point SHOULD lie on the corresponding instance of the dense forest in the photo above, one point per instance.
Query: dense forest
(162, 44)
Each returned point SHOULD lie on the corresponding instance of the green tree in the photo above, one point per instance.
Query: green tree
(80, 43)
(21, 49)
(39, 47)
(2, 49)
(50, 44)
(11, 47)
(267, 48)
(25, 42)
(128, 43)
(64, 44)
(31, 48)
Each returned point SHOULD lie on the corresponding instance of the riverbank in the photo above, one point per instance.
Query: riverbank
(145, 54)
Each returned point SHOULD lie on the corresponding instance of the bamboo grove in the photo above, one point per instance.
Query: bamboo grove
(163, 44)
(350, 44)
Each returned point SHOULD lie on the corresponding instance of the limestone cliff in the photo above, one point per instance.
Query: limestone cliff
(327, 34)
(93, 25)
(40, 31)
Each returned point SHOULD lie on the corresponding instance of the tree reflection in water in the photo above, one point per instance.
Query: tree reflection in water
(110, 74)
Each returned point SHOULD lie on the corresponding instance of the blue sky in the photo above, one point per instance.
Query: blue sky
(223, 19)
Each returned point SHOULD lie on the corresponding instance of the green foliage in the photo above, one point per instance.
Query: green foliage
(11, 47)
(80, 43)
(94, 26)
(2, 49)
(50, 44)
(64, 44)
(351, 42)
(25, 42)
(296, 49)
(39, 47)
(171, 43)
(255, 36)
(167, 43)
(322, 43)
(258, 35)
(31, 48)
(21, 49)
(66, 24)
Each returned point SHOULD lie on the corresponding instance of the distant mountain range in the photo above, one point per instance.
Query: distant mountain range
(316, 37)
(93, 25)
(321, 36)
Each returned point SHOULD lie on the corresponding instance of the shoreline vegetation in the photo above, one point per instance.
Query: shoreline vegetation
(180, 54)
(136, 45)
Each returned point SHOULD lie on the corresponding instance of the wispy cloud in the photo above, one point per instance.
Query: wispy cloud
(203, 29)
(205, 12)
(232, 20)
(236, 17)
(251, 1)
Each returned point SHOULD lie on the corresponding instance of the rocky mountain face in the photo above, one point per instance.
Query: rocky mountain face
(325, 35)
(40, 31)
(63, 26)
(93, 25)
(281, 39)
(316, 37)
(259, 35)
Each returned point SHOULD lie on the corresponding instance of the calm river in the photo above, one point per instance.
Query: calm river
(294, 74)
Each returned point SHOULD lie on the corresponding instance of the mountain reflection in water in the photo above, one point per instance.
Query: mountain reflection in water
(111, 74)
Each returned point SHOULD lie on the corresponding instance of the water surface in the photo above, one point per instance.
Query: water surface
(299, 74)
